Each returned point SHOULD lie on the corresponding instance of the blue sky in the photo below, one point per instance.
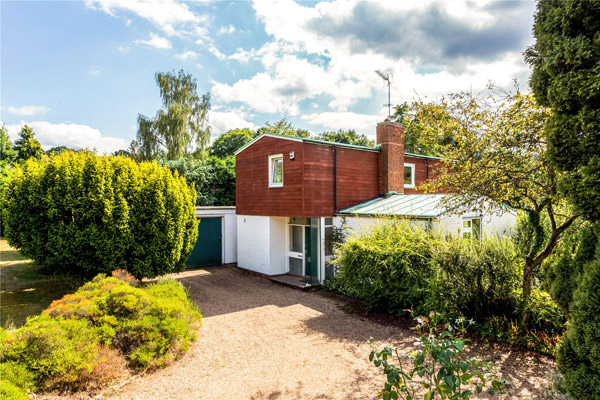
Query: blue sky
(79, 72)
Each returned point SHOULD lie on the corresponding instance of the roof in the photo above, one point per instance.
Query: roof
(323, 142)
(401, 205)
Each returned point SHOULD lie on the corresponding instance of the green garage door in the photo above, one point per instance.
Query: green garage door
(208, 248)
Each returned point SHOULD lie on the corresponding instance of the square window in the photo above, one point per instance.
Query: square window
(467, 223)
(276, 170)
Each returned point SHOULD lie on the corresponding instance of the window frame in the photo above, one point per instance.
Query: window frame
(410, 185)
(270, 164)
(464, 230)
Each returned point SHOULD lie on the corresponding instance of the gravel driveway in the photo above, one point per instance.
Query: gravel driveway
(261, 340)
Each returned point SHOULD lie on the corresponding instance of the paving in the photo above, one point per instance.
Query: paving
(263, 340)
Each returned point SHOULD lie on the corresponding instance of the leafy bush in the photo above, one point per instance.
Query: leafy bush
(61, 352)
(388, 265)
(150, 325)
(82, 214)
(578, 354)
(474, 278)
(15, 381)
(439, 367)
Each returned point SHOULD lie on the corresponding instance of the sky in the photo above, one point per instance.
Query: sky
(80, 72)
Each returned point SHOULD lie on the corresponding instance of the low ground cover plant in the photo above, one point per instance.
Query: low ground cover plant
(395, 265)
(82, 339)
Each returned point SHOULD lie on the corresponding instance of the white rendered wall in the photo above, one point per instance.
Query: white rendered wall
(278, 245)
(355, 225)
(253, 243)
(228, 229)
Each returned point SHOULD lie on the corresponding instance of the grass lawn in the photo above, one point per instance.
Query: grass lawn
(24, 290)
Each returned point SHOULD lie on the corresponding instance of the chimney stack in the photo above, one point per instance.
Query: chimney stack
(390, 136)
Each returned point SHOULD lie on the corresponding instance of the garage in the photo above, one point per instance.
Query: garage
(217, 238)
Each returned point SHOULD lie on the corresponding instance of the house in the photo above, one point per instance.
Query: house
(291, 192)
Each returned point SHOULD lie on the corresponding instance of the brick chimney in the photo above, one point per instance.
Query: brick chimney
(390, 135)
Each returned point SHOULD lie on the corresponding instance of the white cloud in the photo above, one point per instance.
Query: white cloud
(216, 52)
(94, 70)
(226, 30)
(317, 52)
(70, 135)
(187, 55)
(124, 49)
(224, 121)
(168, 15)
(155, 41)
(26, 110)
(128, 23)
(362, 123)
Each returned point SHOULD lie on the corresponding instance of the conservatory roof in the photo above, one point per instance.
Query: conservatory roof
(401, 205)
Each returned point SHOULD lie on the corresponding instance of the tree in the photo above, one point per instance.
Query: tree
(420, 136)
(348, 137)
(27, 145)
(229, 142)
(81, 214)
(283, 127)
(181, 122)
(501, 159)
(566, 67)
(7, 151)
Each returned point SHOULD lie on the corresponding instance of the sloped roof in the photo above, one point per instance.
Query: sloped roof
(324, 142)
(401, 205)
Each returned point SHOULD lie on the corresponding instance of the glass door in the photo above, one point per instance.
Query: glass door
(296, 250)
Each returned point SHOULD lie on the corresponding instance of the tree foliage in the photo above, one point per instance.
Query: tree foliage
(283, 127)
(422, 122)
(229, 142)
(179, 124)
(500, 159)
(7, 151)
(347, 137)
(213, 178)
(566, 67)
(80, 214)
(27, 145)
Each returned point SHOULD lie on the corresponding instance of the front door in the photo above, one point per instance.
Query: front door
(296, 250)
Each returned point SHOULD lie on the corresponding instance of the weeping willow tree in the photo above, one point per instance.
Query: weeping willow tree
(180, 126)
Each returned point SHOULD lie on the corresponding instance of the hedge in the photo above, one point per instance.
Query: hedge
(82, 214)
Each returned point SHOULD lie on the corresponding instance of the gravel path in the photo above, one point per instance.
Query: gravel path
(261, 340)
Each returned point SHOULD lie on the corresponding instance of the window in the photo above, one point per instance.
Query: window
(409, 175)
(471, 228)
(276, 170)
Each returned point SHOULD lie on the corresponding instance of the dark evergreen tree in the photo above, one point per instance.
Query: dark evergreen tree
(27, 145)
(566, 78)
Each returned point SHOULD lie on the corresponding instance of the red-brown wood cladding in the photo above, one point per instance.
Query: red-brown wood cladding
(421, 172)
(308, 180)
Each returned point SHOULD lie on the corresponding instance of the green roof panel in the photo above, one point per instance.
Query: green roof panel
(402, 205)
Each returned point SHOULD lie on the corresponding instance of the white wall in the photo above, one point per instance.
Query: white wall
(358, 224)
(253, 243)
(228, 229)
(278, 245)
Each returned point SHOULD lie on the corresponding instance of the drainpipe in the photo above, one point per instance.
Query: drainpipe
(334, 179)
(427, 163)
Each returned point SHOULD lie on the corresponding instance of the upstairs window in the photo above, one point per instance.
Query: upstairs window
(409, 175)
(276, 170)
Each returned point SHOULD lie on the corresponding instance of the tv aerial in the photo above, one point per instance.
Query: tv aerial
(388, 79)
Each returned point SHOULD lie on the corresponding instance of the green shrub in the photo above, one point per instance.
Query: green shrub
(62, 353)
(578, 354)
(545, 314)
(565, 271)
(150, 325)
(82, 214)
(388, 265)
(474, 278)
(16, 381)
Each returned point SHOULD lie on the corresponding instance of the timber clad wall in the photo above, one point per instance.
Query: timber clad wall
(421, 171)
(308, 180)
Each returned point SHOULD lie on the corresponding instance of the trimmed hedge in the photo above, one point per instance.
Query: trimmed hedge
(81, 214)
